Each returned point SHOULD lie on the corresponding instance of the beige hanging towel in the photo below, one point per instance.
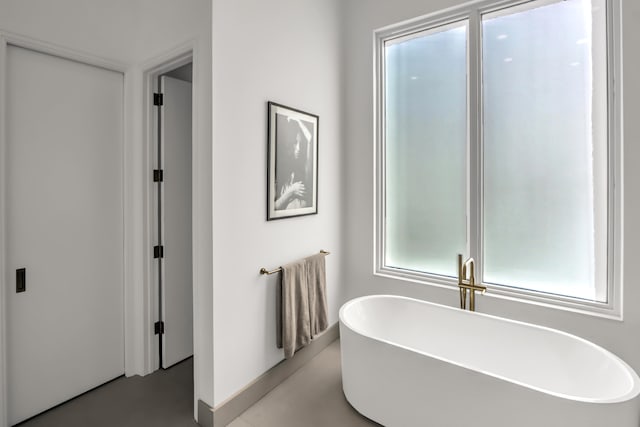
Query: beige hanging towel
(296, 325)
(317, 282)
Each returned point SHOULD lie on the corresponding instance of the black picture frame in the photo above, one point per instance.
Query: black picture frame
(292, 168)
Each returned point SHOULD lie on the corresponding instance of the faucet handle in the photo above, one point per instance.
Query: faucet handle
(473, 287)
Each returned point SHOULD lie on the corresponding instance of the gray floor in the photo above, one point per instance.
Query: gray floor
(312, 397)
(162, 399)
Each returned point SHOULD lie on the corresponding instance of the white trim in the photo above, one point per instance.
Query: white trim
(61, 52)
(152, 69)
(379, 165)
(20, 41)
(130, 247)
(441, 16)
(4, 277)
(446, 25)
(616, 154)
(504, 293)
(508, 9)
(474, 150)
(611, 309)
(201, 240)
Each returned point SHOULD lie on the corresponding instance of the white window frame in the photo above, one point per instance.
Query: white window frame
(473, 12)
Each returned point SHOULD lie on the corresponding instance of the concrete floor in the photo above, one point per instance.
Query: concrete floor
(162, 399)
(311, 397)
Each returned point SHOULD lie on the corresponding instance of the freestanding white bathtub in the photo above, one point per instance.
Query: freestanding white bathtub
(407, 362)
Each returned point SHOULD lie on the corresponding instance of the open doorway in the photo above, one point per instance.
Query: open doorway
(172, 214)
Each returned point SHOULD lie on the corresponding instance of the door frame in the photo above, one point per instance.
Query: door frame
(142, 294)
(10, 39)
(152, 70)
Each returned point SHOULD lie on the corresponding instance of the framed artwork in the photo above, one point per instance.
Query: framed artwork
(292, 177)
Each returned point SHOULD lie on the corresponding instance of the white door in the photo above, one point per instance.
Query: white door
(64, 214)
(177, 286)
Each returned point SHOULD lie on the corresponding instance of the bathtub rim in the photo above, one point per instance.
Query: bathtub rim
(633, 393)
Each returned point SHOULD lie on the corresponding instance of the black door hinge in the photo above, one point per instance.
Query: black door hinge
(158, 251)
(158, 327)
(158, 99)
(158, 175)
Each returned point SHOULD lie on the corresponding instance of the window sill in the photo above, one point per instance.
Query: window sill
(609, 311)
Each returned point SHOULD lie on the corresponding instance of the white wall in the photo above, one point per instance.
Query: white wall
(286, 51)
(292, 52)
(363, 17)
(134, 32)
(122, 30)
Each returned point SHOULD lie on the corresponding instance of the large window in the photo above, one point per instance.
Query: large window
(426, 134)
(498, 140)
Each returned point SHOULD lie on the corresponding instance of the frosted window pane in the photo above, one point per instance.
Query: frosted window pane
(544, 89)
(426, 136)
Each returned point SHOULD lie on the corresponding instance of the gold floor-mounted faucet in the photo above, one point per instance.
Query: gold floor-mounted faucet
(468, 283)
